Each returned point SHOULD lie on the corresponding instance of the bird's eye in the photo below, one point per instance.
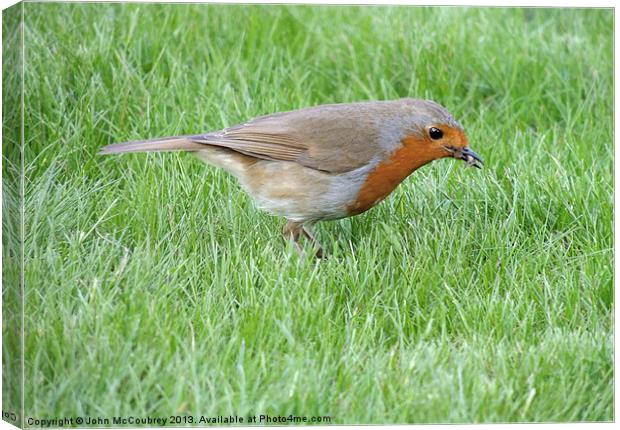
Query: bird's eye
(435, 133)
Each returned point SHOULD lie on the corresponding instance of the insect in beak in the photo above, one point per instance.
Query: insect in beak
(466, 154)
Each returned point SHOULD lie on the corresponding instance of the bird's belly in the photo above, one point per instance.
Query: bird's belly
(300, 193)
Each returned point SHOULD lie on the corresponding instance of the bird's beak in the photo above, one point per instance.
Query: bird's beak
(465, 154)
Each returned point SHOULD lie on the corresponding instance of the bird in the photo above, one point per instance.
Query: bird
(324, 162)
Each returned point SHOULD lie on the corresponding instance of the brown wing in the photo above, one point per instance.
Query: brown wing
(333, 138)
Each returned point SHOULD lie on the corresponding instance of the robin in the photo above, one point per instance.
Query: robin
(325, 162)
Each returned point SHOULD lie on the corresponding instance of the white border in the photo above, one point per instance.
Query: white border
(541, 3)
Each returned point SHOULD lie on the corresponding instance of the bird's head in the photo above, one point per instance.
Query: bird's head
(433, 133)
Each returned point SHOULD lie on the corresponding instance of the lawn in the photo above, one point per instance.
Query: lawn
(154, 287)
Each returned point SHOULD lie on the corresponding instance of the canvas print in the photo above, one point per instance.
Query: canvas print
(245, 214)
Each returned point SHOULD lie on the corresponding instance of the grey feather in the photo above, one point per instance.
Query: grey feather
(177, 143)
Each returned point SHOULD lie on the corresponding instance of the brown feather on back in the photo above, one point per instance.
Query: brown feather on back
(334, 138)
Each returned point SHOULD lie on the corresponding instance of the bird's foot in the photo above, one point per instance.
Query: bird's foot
(307, 231)
(293, 230)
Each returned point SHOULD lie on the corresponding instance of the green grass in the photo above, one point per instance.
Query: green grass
(154, 287)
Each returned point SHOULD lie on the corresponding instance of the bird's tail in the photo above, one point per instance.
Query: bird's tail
(177, 143)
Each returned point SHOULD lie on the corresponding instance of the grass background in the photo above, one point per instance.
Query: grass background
(154, 287)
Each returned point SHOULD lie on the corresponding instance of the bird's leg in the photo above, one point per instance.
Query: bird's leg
(307, 231)
(292, 231)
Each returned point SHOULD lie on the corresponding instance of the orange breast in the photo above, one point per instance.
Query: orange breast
(389, 173)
